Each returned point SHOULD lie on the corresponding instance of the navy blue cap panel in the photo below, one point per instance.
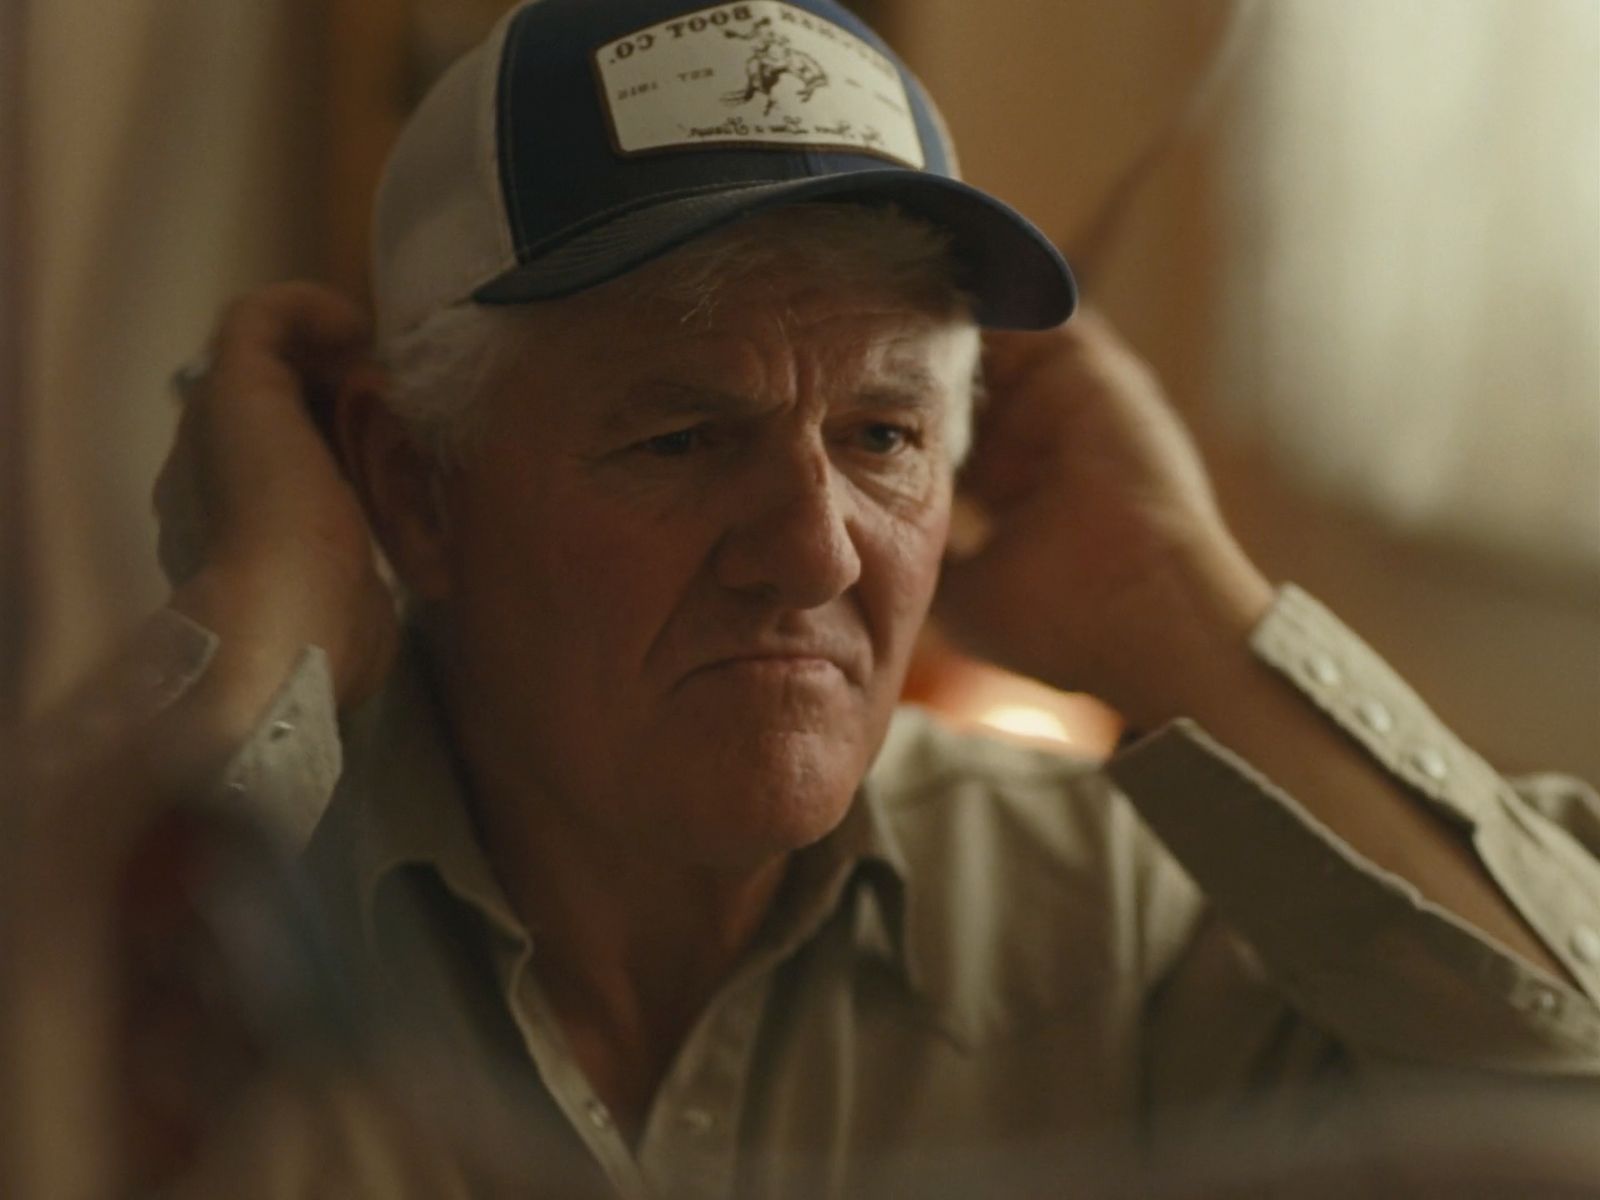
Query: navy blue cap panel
(560, 167)
(1017, 278)
(627, 127)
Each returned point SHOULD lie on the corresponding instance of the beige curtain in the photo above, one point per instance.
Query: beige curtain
(12, 438)
(1413, 195)
(169, 160)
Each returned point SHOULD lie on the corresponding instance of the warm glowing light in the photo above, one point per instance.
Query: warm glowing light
(1026, 721)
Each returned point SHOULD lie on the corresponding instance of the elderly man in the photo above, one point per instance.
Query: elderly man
(653, 887)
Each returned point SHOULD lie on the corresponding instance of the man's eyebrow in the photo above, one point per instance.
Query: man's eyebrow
(664, 399)
(903, 385)
(907, 387)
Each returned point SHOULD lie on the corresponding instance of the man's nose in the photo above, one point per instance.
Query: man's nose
(790, 538)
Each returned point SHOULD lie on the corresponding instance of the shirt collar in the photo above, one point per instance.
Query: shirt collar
(402, 801)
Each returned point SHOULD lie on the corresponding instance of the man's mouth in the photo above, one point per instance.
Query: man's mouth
(780, 662)
(797, 665)
(777, 664)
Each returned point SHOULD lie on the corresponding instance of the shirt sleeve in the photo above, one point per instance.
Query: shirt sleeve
(1356, 949)
(280, 777)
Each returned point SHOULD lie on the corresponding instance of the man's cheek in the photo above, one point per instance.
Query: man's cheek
(920, 552)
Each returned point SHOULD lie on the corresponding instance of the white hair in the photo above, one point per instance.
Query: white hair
(443, 371)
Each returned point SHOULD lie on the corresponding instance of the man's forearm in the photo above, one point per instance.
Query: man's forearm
(1195, 660)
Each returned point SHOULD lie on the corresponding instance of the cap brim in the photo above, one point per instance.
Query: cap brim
(1017, 277)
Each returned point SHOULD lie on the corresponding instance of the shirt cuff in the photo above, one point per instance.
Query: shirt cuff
(1357, 947)
(283, 775)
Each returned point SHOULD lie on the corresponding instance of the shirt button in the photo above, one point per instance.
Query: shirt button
(1324, 670)
(698, 1120)
(1375, 716)
(1586, 945)
(599, 1116)
(1545, 1002)
(281, 730)
(1431, 763)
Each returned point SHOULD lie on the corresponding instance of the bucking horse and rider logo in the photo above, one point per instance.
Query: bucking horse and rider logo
(772, 57)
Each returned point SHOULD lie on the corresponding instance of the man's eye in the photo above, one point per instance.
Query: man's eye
(884, 438)
(675, 444)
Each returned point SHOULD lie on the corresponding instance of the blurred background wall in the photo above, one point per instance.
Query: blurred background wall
(1361, 241)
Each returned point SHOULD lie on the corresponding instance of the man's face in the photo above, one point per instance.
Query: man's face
(689, 563)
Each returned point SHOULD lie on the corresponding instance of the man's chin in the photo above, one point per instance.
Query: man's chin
(746, 815)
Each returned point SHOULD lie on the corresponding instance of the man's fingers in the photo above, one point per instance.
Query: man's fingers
(1014, 441)
(290, 338)
(255, 419)
(286, 319)
(1010, 356)
(1009, 353)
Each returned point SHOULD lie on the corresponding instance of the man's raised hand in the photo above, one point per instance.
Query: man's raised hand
(261, 535)
(1104, 539)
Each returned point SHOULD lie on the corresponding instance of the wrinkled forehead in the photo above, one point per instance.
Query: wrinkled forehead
(753, 325)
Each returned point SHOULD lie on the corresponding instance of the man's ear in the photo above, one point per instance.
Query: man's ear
(397, 480)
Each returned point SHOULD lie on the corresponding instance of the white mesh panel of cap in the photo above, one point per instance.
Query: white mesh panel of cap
(439, 225)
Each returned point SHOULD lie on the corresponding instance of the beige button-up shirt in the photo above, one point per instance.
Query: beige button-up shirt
(1005, 973)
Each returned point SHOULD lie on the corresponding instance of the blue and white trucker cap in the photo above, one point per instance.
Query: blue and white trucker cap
(584, 138)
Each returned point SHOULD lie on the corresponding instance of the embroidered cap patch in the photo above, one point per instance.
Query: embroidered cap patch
(760, 73)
